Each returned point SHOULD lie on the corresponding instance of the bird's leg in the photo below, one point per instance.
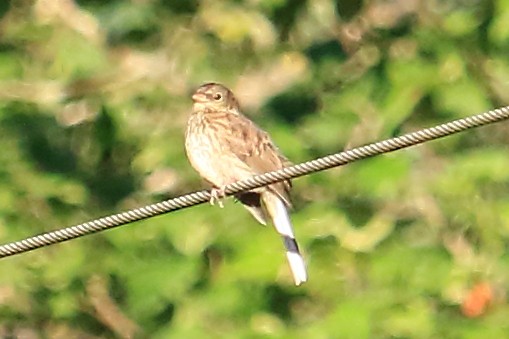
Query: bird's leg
(217, 195)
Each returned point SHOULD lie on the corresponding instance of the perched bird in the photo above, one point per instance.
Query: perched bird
(224, 146)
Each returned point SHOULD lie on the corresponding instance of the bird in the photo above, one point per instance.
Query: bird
(224, 146)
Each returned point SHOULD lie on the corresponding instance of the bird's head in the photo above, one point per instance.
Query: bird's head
(213, 96)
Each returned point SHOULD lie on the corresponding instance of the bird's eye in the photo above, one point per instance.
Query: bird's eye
(217, 96)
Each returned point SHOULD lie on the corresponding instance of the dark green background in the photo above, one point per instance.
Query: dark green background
(94, 97)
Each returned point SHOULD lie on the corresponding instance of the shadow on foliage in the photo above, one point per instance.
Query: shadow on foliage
(359, 211)
(104, 170)
(330, 49)
(279, 300)
(347, 9)
(180, 7)
(42, 140)
(293, 105)
(285, 16)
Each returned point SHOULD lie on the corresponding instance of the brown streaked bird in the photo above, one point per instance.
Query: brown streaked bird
(224, 146)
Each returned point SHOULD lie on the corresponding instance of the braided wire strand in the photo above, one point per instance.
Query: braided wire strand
(298, 170)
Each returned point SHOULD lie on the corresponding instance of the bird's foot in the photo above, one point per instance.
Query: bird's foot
(217, 195)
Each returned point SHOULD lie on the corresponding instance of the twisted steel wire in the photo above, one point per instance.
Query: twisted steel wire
(298, 170)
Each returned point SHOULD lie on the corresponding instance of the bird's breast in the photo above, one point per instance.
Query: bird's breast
(204, 148)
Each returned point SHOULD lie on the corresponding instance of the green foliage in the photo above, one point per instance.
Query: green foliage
(94, 97)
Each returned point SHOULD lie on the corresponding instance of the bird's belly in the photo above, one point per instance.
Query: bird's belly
(205, 159)
(211, 155)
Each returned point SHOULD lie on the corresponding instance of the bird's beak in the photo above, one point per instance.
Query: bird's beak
(199, 97)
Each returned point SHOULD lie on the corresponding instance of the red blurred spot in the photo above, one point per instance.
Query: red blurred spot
(477, 300)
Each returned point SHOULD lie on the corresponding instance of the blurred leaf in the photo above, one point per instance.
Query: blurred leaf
(10, 65)
(72, 55)
(351, 319)
(412, 321)
(128, 21)
(381, 176)
(461, 22)
(498, 31)
(462, 98)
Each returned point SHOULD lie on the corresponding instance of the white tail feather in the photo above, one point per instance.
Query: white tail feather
(279, 214)
(298, 267)
(280, 217)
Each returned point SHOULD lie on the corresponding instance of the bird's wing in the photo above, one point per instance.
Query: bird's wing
(254, 147)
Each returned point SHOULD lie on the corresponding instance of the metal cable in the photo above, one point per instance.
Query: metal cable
(298, 170)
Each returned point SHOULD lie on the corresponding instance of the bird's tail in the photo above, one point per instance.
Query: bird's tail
(279, 214)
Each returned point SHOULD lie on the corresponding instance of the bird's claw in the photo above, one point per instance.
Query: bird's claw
(216, 196)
